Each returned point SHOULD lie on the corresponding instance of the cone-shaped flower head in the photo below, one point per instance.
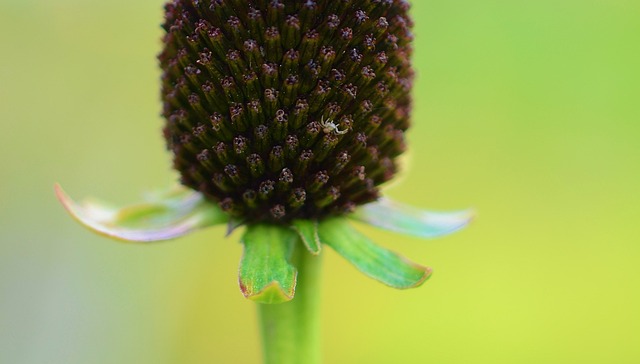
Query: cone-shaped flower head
(286, 109)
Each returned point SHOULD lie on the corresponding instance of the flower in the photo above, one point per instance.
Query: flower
(285, 117)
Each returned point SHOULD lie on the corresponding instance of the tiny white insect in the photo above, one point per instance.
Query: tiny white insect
(329, 126)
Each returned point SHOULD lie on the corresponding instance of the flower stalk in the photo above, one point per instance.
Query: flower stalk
(291, 331)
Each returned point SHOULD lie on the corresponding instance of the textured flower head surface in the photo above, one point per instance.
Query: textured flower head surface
(284, 116)
(286, 109)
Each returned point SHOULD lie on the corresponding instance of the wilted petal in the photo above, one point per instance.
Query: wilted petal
(165, 216)
(266, 276)
(308, 231)
(394, 216)
(371, 259)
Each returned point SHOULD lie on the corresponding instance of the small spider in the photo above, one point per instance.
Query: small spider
(329, 126)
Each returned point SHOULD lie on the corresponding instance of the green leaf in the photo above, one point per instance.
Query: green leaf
(165, 216)
(308, 231)
(405, 219)
(371, 259)
(266, 276)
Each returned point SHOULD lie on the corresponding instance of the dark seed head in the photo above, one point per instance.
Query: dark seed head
(286, 109)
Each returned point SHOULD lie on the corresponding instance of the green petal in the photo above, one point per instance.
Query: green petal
(372, 260)
(308, 231)
(266, 276)
(391, 215)
(165, 216)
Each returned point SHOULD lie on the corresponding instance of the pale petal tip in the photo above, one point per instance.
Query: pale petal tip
(72, 208)
(82, 214)
(161, 220)
(62, 197)
(410, 220)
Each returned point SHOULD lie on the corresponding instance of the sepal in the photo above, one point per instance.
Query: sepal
(372, 260)
(308, 232)
(266, 274)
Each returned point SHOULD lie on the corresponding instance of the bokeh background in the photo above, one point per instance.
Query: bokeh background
(527, 111)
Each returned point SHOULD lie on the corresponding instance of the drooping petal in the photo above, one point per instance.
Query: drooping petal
(308, 231)
(397, 217)
(165, 216)
(266, 276)
(371, 259)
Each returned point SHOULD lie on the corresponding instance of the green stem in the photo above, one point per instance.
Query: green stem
(291, 331)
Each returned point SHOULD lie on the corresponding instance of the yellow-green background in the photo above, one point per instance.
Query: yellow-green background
(526, 110)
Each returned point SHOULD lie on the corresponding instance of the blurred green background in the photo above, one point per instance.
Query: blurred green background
(527, 111)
